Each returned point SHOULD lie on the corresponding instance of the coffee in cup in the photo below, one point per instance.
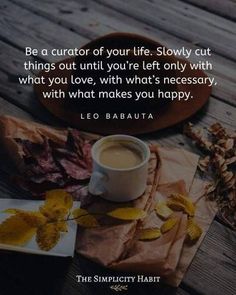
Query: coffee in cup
(120, 155)
(120, 168)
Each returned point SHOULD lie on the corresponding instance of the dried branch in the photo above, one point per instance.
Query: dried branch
(220, 146)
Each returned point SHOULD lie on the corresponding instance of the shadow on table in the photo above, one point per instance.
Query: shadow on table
(32, 274)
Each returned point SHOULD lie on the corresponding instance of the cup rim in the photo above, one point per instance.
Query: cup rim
(125, 137)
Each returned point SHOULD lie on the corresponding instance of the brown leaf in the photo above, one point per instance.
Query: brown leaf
(197, 136)
(222, 157)
(231, 160)
(210, 188)
(227, 144)
(218, 131)
(204, 163)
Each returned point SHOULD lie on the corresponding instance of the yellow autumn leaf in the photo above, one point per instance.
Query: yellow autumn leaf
(180, 202)
(33, 218)
(15, 231)
(11, 211)
(78, 212)
(163, 210)
(149, 234)
(193, 230)
(84, 219)
(47, 236)
(168, 224)
(54, 214)
(58, 198)
(128, 213)
(87, 221)
(57, 204)
(62, 226)
(176, 206)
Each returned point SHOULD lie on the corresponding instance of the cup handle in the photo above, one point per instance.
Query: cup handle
(97, 183)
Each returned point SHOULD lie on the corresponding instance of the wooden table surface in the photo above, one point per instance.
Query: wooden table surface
(71, 23)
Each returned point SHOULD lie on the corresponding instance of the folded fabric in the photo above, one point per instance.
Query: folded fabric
(116, 245)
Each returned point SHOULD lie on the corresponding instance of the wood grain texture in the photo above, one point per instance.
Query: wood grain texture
(192, 29)
(190, 11)
(226, 8)
(23, 97)
(95, 18)
(21, 28)
(98, 20)
(213, 272)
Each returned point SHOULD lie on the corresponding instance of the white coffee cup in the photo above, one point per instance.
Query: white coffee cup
(119, 184)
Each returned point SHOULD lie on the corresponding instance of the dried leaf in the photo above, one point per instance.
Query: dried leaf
(58, 198)
(210, 188)
(222, 153)
(193, 230)
(11, 211)
(54, 214)
(230, 185)
(176, 206)
(34, 219)
(62, 226)
(180, 202)
(88, 221)
(128, 213)
(204, 163)
(149, 234)
(168, 224)
(163, 210)
(57, 204)
(218, 150)
(218, 131)
(197, 136)
(231, 160)
(49, 221)
(227, 144)
(219, 161)
(47, 236)
(83, 218)
(15, 231)
(79, 212)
